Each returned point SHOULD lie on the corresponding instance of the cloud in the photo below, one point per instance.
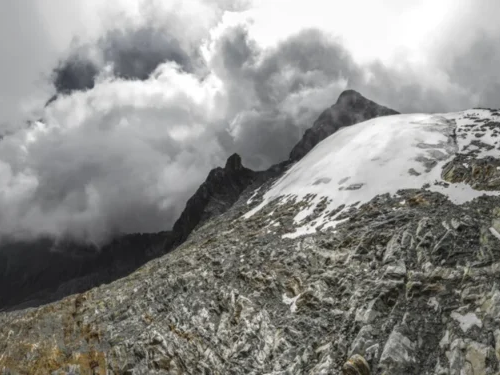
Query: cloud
(125, 155)
(477, 70)
(147, 106)
(124, 53)
(25, 55)
(274, 94)
(75, 74)
(138, 54)
(111, 159)
(75, 38)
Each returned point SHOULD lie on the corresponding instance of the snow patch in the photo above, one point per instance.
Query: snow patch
(380, 156)
(467, 321)
(300, 231)
(310, 228)
(495, 233)
(476, 125)
(291, 301)
(252, 197)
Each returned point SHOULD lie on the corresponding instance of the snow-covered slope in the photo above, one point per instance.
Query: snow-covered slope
(384, 155)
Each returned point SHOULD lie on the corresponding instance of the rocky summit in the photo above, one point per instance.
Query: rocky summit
(377, 253)
(350, 108)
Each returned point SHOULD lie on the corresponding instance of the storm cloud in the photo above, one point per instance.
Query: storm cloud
(124, 53)
(146, 108)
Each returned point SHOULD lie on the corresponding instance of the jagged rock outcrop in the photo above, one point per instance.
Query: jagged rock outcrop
(220, 190)
(350, 108)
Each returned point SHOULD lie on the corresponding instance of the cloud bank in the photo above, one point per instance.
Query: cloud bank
(130, 110)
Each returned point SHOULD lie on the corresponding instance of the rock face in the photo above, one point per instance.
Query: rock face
(351, 108)
(401, 278)
(220, 190)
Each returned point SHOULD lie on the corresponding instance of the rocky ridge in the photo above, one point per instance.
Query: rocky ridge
(220, 190)
(404, 282)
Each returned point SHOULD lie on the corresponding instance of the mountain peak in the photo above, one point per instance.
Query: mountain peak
(233, 163)
(367, 234)
(350, 94)
(351, 107)
(220, 190)
(353, 100)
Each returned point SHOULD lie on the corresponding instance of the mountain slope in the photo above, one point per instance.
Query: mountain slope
(351, 107)
(398, 264)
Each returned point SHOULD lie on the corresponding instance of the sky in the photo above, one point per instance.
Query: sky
(113, 113)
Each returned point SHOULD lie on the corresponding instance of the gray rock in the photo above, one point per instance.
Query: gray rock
(397, 269)
(363, 341)
(398, 353)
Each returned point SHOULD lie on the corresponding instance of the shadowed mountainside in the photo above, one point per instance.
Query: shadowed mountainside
(220, 190)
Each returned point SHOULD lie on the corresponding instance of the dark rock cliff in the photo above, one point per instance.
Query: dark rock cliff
(43, 270)
(220, 190)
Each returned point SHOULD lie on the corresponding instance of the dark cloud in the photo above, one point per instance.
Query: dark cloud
(460, 80)
(264, 137)
(130, 53)
(75, 74)
(270, 90)
(403, 91)
(136, 54)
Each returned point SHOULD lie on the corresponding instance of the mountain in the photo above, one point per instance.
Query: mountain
(351, 108)
(220, 190)
(376, 253)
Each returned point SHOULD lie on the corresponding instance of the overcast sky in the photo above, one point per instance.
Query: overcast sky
(139, 99)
